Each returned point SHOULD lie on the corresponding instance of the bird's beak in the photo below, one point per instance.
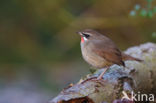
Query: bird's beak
(79, 33)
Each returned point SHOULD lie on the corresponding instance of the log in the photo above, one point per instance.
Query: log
(118, 82)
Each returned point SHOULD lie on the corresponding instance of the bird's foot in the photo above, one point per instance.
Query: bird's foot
(100, 77)
(97, 79)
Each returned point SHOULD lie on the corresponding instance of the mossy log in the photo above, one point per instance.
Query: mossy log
(138, 77)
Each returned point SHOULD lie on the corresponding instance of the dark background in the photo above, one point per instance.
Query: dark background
(39, 49)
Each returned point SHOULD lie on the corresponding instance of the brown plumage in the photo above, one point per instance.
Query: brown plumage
(100, 51)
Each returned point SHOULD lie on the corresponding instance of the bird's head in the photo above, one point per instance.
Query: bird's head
(88, 34)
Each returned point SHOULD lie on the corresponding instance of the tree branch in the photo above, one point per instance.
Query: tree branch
(137, 76)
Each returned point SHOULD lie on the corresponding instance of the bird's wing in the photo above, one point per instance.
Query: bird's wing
(109, 52)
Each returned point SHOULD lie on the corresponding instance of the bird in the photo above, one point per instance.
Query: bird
(100, 51)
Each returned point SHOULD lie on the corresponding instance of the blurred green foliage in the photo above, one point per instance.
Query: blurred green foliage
(148, 11)
(38, 43)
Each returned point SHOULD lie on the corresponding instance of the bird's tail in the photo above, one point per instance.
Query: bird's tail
(128, 57)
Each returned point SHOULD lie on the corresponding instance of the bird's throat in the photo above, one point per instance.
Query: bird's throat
(82, 39)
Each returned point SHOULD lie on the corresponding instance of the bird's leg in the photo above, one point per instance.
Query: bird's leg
(101, 75)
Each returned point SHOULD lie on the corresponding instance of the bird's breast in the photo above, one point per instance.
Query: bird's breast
(92, 58)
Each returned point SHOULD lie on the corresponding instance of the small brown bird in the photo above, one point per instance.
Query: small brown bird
(100, 51)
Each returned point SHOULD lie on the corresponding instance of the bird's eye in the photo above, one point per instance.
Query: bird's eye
(86, 35)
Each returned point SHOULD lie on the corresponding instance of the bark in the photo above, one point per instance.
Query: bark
(138, 77)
